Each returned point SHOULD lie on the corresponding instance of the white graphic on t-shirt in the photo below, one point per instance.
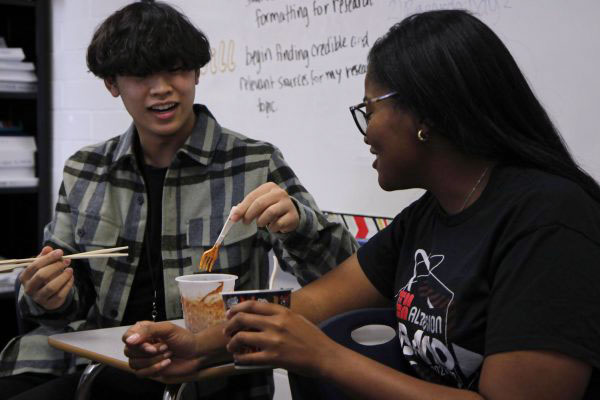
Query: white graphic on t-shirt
(422, 310)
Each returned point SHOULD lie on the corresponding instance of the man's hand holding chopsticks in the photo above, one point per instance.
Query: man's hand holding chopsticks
(48, 279)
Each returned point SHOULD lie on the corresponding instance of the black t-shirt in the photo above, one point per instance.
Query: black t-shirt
(518, 270)
(149, 278)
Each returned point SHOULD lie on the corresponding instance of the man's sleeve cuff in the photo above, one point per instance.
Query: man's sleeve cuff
(30, 308)
(307, 222)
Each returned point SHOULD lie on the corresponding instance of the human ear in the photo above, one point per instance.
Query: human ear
(197, 75)
(111, 85)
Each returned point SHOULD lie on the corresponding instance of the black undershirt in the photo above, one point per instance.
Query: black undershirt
(139, 304)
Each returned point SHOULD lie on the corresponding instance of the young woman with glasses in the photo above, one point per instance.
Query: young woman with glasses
(493, 272)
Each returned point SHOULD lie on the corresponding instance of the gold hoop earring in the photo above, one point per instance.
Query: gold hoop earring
(422, 136)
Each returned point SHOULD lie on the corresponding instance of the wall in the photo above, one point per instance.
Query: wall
(83, 112)
(301, 103)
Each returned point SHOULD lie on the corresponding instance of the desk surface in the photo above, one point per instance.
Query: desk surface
(105, 346)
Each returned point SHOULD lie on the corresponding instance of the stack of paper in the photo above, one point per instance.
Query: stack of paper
(10, 127)
(17, 161)
(16, 75)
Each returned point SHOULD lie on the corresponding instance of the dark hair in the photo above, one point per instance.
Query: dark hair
(455, 74)
(145, 38)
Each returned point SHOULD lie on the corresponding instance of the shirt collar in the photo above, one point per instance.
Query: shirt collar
(203, 141)
(199, 146)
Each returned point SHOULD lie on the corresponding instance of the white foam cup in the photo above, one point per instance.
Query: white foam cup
(201, 298)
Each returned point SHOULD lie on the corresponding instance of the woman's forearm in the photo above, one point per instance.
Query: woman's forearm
(364, 378)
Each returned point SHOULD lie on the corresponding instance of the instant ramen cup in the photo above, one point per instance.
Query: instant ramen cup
(278, 296)
(201, 299)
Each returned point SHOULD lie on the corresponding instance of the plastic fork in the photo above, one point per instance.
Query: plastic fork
(207, 261)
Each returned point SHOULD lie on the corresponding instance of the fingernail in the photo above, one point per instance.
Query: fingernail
(67, 262)
(166, 362)
(168, 354)
(133, 338)
(57, 252)
(163, 347)
(149, 348)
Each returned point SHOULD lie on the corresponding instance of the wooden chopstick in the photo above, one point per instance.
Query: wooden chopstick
(80, 256)
(101, 251)
(5, 268)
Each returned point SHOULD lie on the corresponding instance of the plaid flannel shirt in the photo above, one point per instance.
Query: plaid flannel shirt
(103, 203)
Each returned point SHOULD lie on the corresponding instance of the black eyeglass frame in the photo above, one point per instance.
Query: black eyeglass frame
(354, 109)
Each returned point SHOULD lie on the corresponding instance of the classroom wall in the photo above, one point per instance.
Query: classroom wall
(83, 112)
(555, 42)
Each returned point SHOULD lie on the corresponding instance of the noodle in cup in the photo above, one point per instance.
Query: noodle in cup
(201, 298)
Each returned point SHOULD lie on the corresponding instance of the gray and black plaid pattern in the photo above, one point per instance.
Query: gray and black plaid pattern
(103, 203)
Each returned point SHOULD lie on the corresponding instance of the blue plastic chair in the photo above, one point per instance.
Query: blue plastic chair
(339, 328)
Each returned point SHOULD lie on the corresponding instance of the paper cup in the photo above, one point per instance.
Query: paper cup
(279, 296)
(201, 299)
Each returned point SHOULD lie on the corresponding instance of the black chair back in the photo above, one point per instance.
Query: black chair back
(340, 328)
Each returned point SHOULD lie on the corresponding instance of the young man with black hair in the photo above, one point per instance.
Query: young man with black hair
(164, 188)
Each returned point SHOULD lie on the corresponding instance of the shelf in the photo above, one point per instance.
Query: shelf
(18, 95)
(18, 190)
(24, 3)
(26, 24)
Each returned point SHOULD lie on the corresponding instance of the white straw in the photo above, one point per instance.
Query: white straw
(273, 272)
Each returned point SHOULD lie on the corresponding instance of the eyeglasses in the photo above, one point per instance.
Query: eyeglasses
(360, 116)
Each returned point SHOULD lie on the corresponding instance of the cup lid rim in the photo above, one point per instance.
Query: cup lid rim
(192, 278)
(257, 291)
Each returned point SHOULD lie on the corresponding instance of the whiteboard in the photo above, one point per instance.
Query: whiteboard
(287, 71)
